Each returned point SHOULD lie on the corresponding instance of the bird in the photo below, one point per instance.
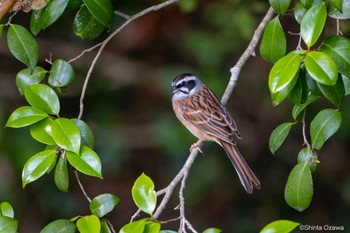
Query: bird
(201, 112)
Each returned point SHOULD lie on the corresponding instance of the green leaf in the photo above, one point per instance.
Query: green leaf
(41, 131)
(6, 210)
(278, 136)
(24, 116)
(22, 45)
(321, 67)
(309, 3)
(212, 230)
(59, 226)
(323, 126)
(312, 85)
(152, 227)
(8, 225)
(297, 109)
(337, 4)
(103, 204)
(66, 134)
(280, 6)
(1, 29)
(104, 226)
(88, 162)
(52, 12)
(28, 77)
(338, 48)
(134, 227)
(167, 231)
(144, 195)
(35, 23)
(335, 94)
(102, 10)
(61, 175)
(346, 82)
(188, 6)
(43, 97)
(86, 26)
(305, 155)
(283, 72)
(299, 93)
(299, 188)
(74, 4)
(37, 166)
(344, 13)
(273, 44)
(299, 12)
(89, 224)
(280, 226)
(61, 73)
(87, 136)
(312, 24)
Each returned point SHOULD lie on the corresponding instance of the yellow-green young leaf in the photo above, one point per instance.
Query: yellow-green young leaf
(42, 97)
(28, 77)
(338, 48)
(144, 195)
(6, 209)
(323, 126)
(61, 175)
(103, 204)
(102, 10)
(305, 155)
(273, 44)
(321, 67)
(335, 94)
(41, 131)
(212, 230)
(8, 225)
(66, 134)
(87, 162)
(89, 224)
(278, 136)
(24, 116)
(299, 188)
(280, 226)
(312, 23)
(59, 226)
(134, 227)
(152, 227)
(61, 73)
(22, 45)
(37, 166)
(280, 6)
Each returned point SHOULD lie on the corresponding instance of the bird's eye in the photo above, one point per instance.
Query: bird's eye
(180, 85)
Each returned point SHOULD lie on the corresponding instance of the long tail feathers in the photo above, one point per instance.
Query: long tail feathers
(245, 174)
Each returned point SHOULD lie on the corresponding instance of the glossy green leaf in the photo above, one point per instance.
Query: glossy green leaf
(43, 97)
(22, 45)
(59, 226)
(336, 4)
(280, 226)
(61, 175)
(41, 131)
(24, 116)
(212, 230)
(278, 136)
(103, 204)
(28, 77)
(305, 155)
(312, 85)
(152, 227)
(102, 10)
(89, 224)
(105, 227)
(283, 72)
(280, 6)
(309, 3)
(6, 210)
(35, 23)
(323, 126)
(321, 67)
(299, 12)
(88, 162)
(74, 4)
(297, 109)
(8, 225)
(52, 12)
(344, 13)
(61, 73)
(346, 82)
(134, 227)
(335, 94)
(37, 166)
(312, 24)
(86, 26)
(299, 188)
(144, 195)
(338, 48)
(87, 136)
(300, 91)
(66, 134)
(273, 44)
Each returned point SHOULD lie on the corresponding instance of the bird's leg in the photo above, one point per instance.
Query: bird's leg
(197, 146)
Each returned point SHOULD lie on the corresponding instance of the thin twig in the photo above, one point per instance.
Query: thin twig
(306, 142)
(81, 186)
(245, 56)
(122, 14)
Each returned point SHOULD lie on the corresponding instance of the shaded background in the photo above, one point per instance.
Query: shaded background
(128, 105)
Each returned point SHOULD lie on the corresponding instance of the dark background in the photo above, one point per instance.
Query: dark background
(128, 105)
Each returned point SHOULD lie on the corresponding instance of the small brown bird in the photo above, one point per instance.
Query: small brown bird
(197, 107)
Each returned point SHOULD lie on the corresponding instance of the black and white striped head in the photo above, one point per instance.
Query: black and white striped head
(185, 85)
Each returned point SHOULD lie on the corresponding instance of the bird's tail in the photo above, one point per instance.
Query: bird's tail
(245, 174)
